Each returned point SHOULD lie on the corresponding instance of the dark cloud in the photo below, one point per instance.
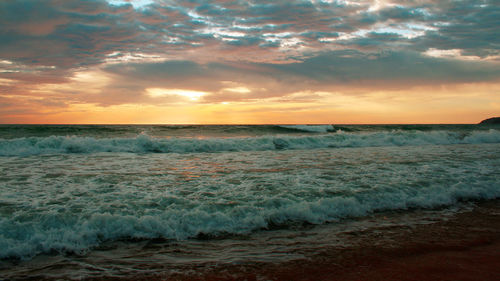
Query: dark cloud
(272, 47)
(61, 33)
(410, 67)
(71, 34)
(329, 71)
(471, 26)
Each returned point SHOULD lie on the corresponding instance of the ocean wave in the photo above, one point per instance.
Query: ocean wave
(309, 128)
(23, 236)
(146, 144)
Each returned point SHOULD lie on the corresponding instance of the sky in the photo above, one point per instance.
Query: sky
(249, 62)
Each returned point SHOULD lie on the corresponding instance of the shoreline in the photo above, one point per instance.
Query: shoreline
(461, 246)
(465, 247)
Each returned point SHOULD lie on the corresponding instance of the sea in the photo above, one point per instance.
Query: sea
(98, 201)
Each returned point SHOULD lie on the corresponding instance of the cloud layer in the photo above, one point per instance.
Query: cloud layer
(55, 54)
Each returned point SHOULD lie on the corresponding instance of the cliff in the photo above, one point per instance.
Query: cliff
(493, 120)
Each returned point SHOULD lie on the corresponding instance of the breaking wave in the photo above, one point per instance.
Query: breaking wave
(146, 144)
(79, 232)
(309, 128)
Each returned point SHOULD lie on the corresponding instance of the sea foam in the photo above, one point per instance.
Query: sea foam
(28, 236)
(77, 198)
(146, 144)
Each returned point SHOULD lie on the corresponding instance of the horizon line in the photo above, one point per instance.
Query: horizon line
(229, 124)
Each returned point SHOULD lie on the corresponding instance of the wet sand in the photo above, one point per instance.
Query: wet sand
(465, 247)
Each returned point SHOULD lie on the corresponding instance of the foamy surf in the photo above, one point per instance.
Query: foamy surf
(25, 235)
(75, 189)
(147, 144)
(71, 203)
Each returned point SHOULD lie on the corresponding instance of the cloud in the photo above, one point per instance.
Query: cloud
(65, 34)
(329, 71)
(72, 34)
(410, 67)
(468, 25)
(240, 51)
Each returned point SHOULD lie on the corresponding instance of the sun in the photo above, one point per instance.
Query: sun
(160, 92)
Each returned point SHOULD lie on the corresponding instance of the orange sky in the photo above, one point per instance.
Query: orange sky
(458, 104)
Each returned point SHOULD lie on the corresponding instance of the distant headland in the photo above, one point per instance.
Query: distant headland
(493, 120)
